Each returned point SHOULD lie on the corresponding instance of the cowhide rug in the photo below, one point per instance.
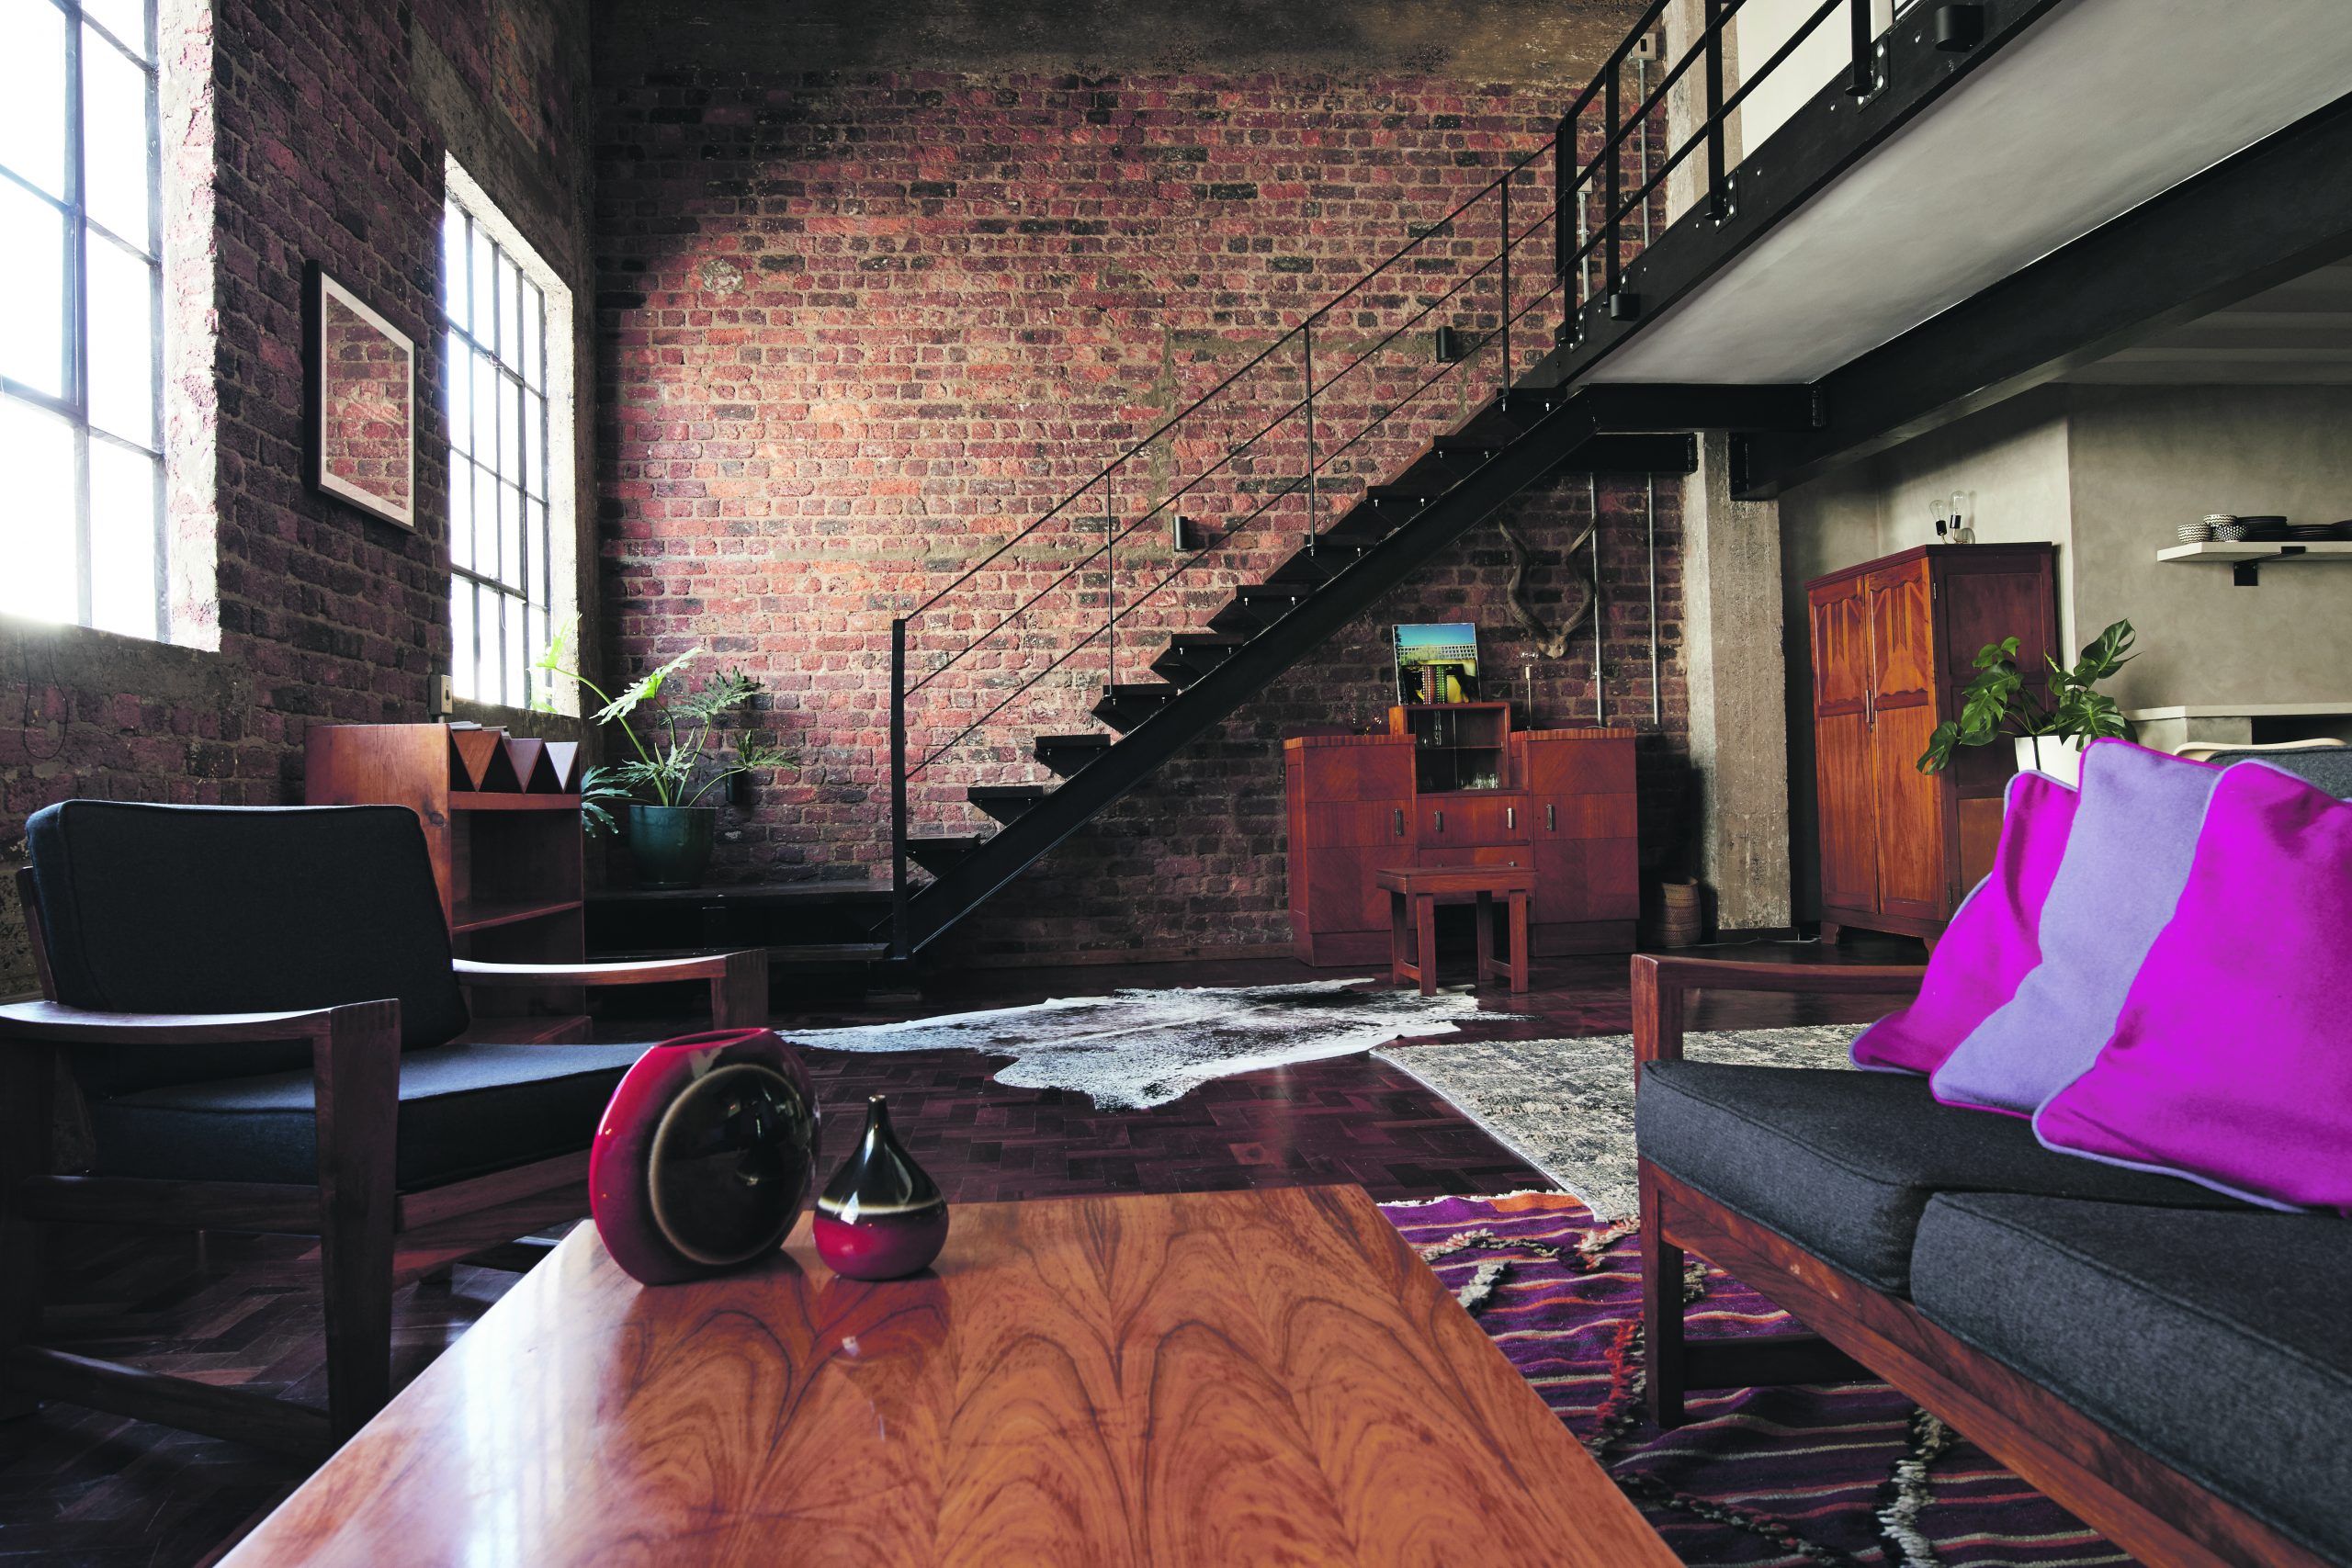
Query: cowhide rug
(1135, 1049)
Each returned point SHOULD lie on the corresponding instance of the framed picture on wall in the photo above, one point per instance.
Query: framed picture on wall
(359, 402)
(1437, 663)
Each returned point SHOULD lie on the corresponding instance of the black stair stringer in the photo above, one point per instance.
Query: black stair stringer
(1544, 443)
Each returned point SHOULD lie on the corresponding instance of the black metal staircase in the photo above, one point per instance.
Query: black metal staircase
(1187, 621)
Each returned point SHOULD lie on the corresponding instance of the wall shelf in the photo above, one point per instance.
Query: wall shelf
(2265, 549)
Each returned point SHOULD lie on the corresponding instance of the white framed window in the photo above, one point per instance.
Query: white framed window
(508, 374)
(80, 341)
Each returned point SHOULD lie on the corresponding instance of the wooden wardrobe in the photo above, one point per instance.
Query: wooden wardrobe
(1892, 643)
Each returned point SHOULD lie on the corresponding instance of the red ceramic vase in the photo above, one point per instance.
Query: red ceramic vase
(705, 1155)
(881, 1217)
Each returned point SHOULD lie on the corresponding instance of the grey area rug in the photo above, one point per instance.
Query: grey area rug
(1567, 1106)
(1135, 1049)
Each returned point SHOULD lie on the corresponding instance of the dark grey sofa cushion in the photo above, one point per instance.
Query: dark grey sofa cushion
(220, 909)
(1842, 1163)
(2329, 767)
(2218, 1342)
(465, 1111)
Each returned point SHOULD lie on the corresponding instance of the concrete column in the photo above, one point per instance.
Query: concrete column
(1732, 652)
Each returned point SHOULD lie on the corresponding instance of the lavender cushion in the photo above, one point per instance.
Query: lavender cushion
(1993, 941)
(2127, 856)
(2232, 1057)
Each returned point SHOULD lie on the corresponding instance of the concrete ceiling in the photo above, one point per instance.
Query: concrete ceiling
(2298, 334)
(2103, 105)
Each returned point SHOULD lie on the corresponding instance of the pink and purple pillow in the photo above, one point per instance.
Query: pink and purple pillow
(1993, 941)
(2231, 1057)
(2127, 856)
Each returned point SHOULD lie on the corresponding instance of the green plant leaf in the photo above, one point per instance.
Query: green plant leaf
(644, 689)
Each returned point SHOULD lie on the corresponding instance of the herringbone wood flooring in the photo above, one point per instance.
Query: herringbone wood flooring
(82, 1490)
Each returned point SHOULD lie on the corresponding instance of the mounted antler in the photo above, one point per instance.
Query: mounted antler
(1553, 645)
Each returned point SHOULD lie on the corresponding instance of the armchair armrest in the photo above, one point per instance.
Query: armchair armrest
(739, 981)
(1663, 985)
(54, 1023)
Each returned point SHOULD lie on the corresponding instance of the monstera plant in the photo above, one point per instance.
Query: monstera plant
(679, 758)
(2049, 730)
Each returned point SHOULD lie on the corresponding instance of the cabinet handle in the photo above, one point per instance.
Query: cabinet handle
(1441, 821)
(1551, 818)
(1400, 821)
(1511, 818)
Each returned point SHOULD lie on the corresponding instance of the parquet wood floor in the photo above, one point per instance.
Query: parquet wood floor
(82, 1490)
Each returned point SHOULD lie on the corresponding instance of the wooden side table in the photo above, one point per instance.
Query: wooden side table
(1424, 887)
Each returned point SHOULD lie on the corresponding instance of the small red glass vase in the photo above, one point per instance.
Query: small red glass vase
(881, 1217)
(705, 1155)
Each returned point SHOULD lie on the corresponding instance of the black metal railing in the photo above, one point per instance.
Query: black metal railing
(1601, 216)
(1266, 449)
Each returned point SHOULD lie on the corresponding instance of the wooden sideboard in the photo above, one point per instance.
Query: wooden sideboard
(1560, 801)
(1894, 642)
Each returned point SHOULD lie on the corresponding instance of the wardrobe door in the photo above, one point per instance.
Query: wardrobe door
(1841, 745)
(1906, 805)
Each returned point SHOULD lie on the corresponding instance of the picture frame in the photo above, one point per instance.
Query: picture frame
(1437, 663)
(358, 402)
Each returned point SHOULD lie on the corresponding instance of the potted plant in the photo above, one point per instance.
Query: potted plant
(2050, 732)
(658, 790)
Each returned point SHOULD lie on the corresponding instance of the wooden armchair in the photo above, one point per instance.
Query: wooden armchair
(258, 1010)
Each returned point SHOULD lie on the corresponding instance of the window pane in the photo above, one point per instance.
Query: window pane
(462, 636)
(36, 525)
(122, 540)
(510, 312)
(122, 344)
(542, 581)
(114, 148)
(485, 400)
(33, 278)
(127, 19)
(510, 537)
(32, 93)
(485, 522)
(517, 659)
(510, 430)
(485, 317)
(456, 371)
(535, 367)
(453, 268)
(462, 513)
(535, 442)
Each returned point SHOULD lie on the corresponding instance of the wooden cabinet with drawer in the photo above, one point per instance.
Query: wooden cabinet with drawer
(1562, 802)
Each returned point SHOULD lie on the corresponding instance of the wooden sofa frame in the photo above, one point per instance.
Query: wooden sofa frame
(372, 1239)
(2139, 1502)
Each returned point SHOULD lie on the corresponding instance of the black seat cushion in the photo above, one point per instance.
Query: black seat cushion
(465, 1111)
(217, 908)
(1843, 1163)
(2215, 1341)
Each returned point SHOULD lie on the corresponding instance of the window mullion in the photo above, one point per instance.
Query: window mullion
(155, 325)
(77, 315)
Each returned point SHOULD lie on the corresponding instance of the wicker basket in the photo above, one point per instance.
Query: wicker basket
(1678, 914)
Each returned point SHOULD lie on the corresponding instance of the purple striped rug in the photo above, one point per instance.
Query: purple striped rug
(1853, 1473)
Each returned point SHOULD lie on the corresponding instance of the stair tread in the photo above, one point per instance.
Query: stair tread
(1207, 639)
(1090, 740)
(1009, 792)
(1406, 492)
(1127, 690)
(1271, 591)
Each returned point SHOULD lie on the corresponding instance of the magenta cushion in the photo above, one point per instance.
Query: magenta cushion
(2231, 1059)
(1993, 941)
(2127, 854)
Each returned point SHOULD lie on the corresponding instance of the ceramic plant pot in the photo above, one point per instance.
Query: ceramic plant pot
(2060, 756)
(880, 1217)
(672, 843)
(705, 1155)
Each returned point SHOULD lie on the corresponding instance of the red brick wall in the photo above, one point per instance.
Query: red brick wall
(855, 330)
(304, 132)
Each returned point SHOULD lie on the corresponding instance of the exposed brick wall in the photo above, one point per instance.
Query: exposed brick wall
(855, 330)
(300, 131)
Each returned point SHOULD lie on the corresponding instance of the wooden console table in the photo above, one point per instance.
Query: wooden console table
(1413, 955)
(1208, 1379)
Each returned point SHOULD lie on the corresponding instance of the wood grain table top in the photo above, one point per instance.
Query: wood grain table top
(1455, 880)
(1211, 1379)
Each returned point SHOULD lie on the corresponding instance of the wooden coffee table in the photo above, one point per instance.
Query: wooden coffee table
(1223, 1379)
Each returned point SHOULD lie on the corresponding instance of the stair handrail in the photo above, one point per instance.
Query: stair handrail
(1425, 233)
(1289, 488)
